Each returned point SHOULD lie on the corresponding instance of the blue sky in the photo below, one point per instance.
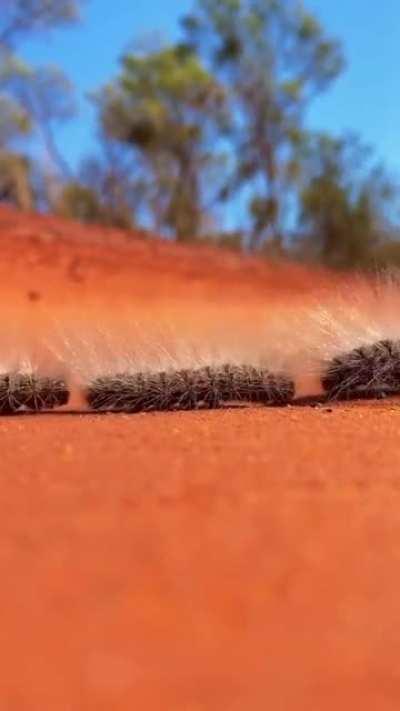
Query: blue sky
(366, 98)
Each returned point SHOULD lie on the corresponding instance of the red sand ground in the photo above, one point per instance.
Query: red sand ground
(237, 560)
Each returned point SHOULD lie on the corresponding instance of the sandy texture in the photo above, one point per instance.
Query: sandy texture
(237, 560)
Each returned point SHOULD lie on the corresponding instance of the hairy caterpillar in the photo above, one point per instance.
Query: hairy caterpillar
(368, 371)
(187, 389)
(351, 340)
(27, 391)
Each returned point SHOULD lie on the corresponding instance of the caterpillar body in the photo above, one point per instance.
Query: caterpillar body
(189, 389)
(29, 392)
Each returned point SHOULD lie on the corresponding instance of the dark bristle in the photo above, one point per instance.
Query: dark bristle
(21, 392)
(189, 389)
(371, 371)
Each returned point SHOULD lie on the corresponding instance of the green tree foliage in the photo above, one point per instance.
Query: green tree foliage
(19, 18)
(167, 107)
(15, 184)
(32, 103)
(273, 57)
(46, 98)
(345, 203)
(31, 99)
(15, 122)
(105, 191)
(80, 202)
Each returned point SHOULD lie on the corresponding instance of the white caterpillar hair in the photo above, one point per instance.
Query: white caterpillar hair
(176, 363)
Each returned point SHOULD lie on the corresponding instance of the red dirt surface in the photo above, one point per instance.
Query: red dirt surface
(238, 560)
(44, 258)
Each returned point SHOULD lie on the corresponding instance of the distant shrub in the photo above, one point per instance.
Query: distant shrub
(387, 254)
(15, 185)
(79, 202)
